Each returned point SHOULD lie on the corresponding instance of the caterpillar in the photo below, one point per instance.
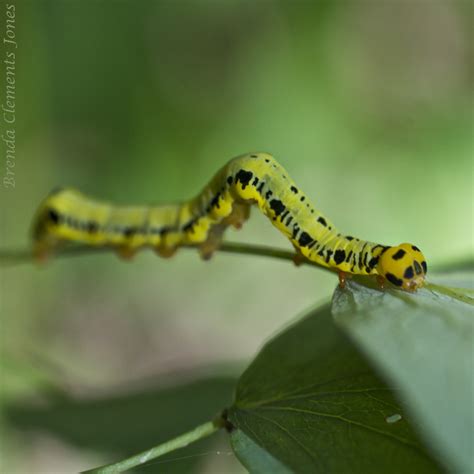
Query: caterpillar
(257, 178)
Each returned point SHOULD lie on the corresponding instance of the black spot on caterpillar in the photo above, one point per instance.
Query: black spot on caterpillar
(277, 206)
(244, 177)
(339, 256)
(322, 221)
(305, 239)
(408, 273)
(68, 215)
(400, 253)
(393, 279)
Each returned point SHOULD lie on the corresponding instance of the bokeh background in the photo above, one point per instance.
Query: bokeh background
(368, 104)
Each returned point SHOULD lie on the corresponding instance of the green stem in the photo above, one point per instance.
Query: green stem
(263, 251)
(17, 257)
(181, 441)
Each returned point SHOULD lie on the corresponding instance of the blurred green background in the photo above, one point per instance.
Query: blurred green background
(367, 104)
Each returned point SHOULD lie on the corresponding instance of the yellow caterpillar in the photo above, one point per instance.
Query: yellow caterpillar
(67, 215)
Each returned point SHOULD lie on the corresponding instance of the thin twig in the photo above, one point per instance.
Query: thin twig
(25, 256)
(181, 441)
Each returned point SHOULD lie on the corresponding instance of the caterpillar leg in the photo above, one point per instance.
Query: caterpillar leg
(298, 258)
(41, 254)
(44, 249)
(125, 253)
(381, 282)
(342, 279)
(240, 213)
(165, 252)
(206, 251)
(213, 241)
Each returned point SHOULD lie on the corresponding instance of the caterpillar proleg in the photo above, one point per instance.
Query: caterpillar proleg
(257, 178)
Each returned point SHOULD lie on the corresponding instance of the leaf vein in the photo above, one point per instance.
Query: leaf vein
(346, 420)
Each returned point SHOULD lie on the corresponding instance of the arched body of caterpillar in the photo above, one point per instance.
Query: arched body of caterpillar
(257, 178)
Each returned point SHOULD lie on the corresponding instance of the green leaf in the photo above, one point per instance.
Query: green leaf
(253, 457)
(311, 402)
(424, 343)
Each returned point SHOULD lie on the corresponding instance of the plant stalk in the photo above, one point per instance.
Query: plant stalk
(181, 441)
(22, 256)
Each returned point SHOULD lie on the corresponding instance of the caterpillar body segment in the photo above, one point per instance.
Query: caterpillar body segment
(252, 179)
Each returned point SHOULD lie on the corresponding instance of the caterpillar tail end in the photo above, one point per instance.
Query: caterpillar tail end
(41, 254)
(43, 250)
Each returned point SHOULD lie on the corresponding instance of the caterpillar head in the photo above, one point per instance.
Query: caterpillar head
(404, 266)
